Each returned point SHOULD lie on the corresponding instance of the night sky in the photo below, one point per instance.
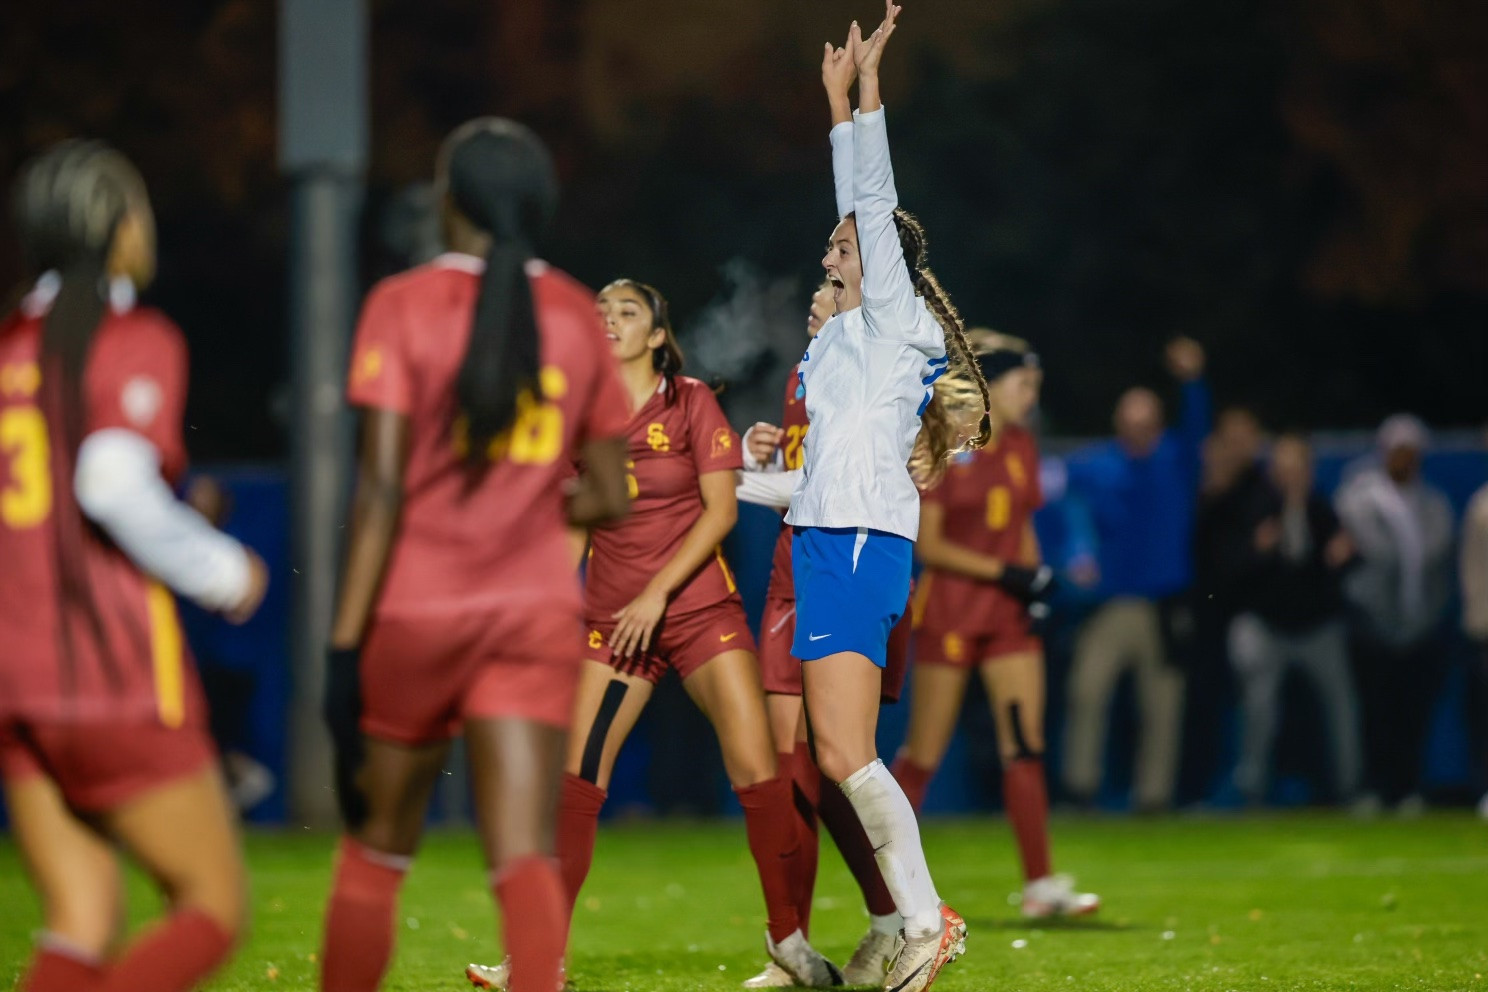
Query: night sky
(1300, 184)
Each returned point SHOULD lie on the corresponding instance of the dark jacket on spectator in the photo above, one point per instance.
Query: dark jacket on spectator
(1295, 591)
(1224, 535)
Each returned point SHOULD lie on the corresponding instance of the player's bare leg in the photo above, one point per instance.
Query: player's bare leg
(184, 834)
(1015, 686)
(397, 781)
(842, 698)
(936, 694)
(727, 689)
(76, 875)
(607, 705)
(516, 767)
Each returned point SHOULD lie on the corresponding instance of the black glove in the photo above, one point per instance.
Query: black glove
(342, 708)
(1035, 587)
(1028, 584)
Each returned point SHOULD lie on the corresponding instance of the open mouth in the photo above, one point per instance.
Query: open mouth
(614, 338)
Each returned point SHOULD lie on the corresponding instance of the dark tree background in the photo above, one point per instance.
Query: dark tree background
(1301, 184)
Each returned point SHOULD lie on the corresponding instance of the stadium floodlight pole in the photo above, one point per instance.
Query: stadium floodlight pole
(323, 153)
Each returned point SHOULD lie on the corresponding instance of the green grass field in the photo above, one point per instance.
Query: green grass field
(1284, 902)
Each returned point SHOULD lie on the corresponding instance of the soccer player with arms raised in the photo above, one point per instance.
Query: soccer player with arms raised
(867, 379)
(481, 376)
(103, 728)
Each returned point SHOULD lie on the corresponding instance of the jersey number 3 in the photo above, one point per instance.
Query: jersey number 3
(26, 496)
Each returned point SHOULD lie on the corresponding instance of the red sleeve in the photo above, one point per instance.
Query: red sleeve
(137, 379)
(715, 446)
(380, 375)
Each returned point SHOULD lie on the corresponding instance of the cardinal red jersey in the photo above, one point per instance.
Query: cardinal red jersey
(793, 427)
(86, 635)
(988, 498)
(672, 443)
(474, 541)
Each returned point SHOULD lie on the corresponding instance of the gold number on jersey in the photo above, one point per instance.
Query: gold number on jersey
(656, 436)
(795, 439)
(536, 434)
(26, 496)
(999, 507)
(632, 486)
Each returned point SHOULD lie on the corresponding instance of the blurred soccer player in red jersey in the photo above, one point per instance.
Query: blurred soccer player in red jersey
(103, 730)
(481, 377)
(658, 595)
(982, 585)
(773, 457)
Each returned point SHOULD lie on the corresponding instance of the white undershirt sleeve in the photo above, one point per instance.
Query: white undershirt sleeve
(842, 167)
(772, 489)
(751, 464)
(118, 486)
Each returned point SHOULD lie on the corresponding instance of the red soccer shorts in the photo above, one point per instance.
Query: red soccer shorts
(685, 642)
(103, 765)
(781, 671)
(422, 676)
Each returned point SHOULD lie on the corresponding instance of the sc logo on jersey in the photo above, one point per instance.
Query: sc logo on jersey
(656, 437)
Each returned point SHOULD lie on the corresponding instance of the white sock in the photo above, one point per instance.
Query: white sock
(892, 829)
(889, 924)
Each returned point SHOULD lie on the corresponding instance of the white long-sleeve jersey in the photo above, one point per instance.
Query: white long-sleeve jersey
(868, 374)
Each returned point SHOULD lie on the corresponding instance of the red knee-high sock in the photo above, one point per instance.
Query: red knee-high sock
(174, 956)
(534, 929)
(360, 925)
(1026, 797)
(578, 822)
(913, 779)
(806, 791)
(842, 822)
(58, 967)
(770, 821)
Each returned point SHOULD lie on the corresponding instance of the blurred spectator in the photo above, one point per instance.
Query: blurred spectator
(1397, 594)
(1291, 578)
(1233, 482)
(1474, 569)
(1141, 489)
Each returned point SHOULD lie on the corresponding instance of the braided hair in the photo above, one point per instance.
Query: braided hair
(667, 360)
(939, 434)
(68, 204)
(500, 177)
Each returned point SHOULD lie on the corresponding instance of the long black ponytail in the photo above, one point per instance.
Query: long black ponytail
(500, 177)
(68, 204)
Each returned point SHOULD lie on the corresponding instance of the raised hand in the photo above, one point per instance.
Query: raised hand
(839, 66)
(868, 51)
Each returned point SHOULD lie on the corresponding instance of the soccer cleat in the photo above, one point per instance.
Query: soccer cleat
(773, 977)
(1055, 895)
(870, 962)
(497, 977)
(486, 976)
(920, 958)
(803, 962)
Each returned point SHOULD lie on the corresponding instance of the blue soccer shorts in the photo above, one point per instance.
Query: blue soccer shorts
(851, 588)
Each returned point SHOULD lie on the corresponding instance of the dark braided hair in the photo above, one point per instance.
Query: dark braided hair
(666, 360)
(69, 203)
(938, 433)
(500, 177)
